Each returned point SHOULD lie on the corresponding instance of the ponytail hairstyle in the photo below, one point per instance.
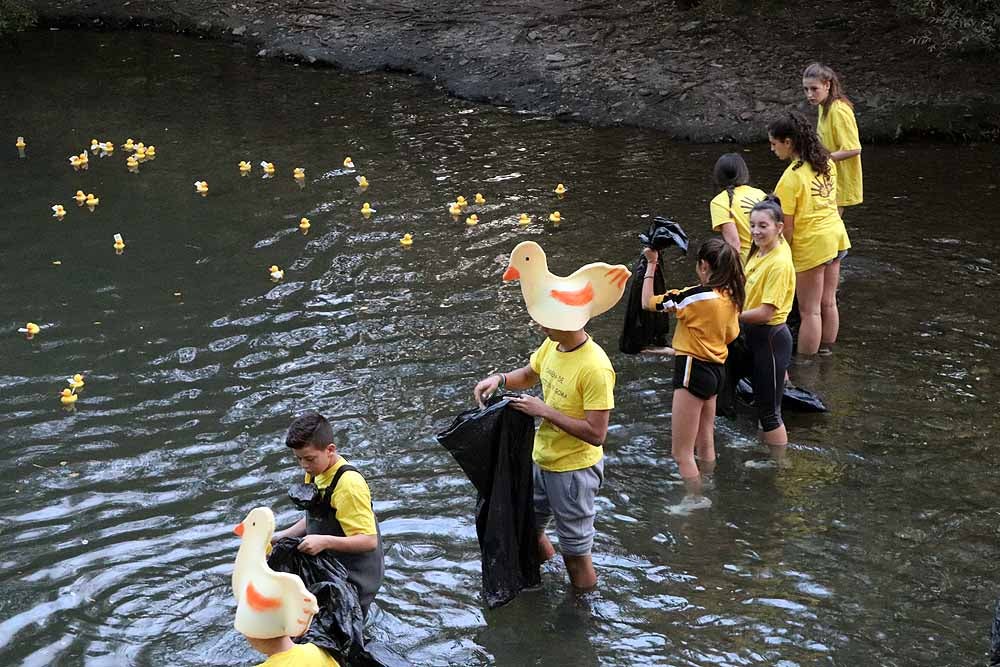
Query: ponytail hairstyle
(793, 125)
(730, 171)
(726, 269)
(772, 206)
(827, 75)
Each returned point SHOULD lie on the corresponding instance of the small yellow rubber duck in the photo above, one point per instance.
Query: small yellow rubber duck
(75, 382)
(150, 152)
(276, 273)
(245, 167)
(304, 224)
(84, 158)
(92, 201)
(95, 145)
(58, 211)
(129, 145)
(132, 163)
(366, 209)
(479, 198)
(298, 173)
(406, 241)
(348, 163)
(67, 397)
(362, 181)
(460, 200)
(560, 189)
(30, 329)
(201, 187)
(119, 242)
(555, 217)
(455, 209)
(75, 161)
(524, 219)
(80, 197)
(472, 220)
(19, 144)
(140, 152)
(107, 148)
(268, 168)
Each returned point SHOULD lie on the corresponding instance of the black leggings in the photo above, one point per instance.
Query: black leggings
(771, 348)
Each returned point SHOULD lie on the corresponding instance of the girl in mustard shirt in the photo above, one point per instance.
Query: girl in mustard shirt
(730, 209)
(813, 227)
(837, 129)
(706, 324)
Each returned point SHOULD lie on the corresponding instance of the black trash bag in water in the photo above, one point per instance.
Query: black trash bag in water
(339, 626)
(493, 447)
(643, 328)
(738, 384)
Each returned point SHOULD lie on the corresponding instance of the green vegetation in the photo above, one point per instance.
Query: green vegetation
(14, 17)
(956, 25)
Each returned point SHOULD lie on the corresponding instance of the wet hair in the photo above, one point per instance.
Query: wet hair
(793, 125)
(731, 170)
(725, 267)
(772, 205)
(310, 428)
(827, 75)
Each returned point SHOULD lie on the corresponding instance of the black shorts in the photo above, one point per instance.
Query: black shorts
(701, 378)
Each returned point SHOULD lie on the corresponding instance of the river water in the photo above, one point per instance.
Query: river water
(877, 546)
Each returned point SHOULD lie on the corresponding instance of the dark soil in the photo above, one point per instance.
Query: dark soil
(702, 74)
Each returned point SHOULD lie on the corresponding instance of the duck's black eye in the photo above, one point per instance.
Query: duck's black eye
(527, 259)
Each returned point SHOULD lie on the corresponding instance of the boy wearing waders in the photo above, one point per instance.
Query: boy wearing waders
(578, 384)
(339, 517)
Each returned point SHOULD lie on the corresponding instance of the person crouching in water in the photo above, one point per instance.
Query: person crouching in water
(706, 323)
(342, 522)
(770, 288)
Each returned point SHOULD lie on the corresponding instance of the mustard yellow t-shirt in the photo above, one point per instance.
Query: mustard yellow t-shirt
(737, 212)
(302, 655)
(707, 321)
(818, 232)
(838, 130)
(572, 383)
(771, 279)
(352, 499)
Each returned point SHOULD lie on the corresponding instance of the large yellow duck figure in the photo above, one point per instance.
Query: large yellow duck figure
(268, 603)
(566, 303)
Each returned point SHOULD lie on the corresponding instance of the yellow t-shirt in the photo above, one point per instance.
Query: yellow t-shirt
(572, 383)
(352, 499)
(744, 199)
(771, 279)
(301, 655)
(818, 233)
(838, 130)
(707, 321)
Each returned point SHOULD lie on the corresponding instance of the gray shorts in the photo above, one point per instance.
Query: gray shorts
(568, 497)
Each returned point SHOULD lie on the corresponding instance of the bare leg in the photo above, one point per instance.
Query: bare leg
(809, 290)
(684, 430)
(705, 440)
(581, 572)
(828, 303)
(545, 548)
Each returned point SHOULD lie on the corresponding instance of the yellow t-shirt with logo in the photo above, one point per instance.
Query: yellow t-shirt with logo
(572, 383)
(818, 232)
(771, 279)
(302, 655)
(838, 130)
(738, 213)
(352, 499)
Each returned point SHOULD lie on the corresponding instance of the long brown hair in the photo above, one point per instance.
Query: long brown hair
(726, 269)
(827, 75)
(793, 125)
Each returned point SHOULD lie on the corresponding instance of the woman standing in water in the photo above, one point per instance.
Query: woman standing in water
(730, 208)
(813, 228)
(837, 129)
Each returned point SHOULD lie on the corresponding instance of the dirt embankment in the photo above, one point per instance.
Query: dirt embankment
(697, 75)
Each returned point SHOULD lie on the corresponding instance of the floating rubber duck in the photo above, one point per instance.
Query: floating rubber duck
(107, 148)
(132, 163)
(75, 382)
(524, 219)
(201, 187)
(140, 152)
(80, 197)
(406, 241)
(366, 209)
(479, 198)
(129, 145)
(268, 168)
(67, 397)
(564, 303)
(95, 146)
(244, 167)
(84, 158)
(150, 152)
(460, 200)
(276, 273)
(455, 209)
(92, 202)
(29, 329)
(362, 181)
(268, 603)
(298, 173)
(348, 163)
(304, 224)
(472, 220)
(560, 189)
(19, 144)
(75, 162)
(119, 242)
(58, 211)
(555, 217)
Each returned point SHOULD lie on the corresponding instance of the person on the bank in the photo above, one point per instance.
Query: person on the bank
(707, 321)
(343, 522)
(578, 384)
(770, 288)
(837, 129)
(730, 208)
(813, 228)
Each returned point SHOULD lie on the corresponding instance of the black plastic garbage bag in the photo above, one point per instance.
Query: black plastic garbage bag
(738, 384)
(643, 328)
(664, 233)
(339, 626)
(493, 448)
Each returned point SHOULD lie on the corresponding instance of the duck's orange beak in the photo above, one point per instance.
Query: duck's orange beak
(238, 529)
(511, 274)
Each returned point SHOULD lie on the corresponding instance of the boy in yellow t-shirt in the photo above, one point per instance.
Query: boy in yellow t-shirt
(281, 652)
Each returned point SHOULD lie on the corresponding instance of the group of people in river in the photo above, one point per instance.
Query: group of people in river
(770, 249)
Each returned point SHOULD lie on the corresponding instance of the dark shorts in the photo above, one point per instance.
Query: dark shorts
(701, 378)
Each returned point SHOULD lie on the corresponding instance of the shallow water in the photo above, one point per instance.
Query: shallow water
(877, 546)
